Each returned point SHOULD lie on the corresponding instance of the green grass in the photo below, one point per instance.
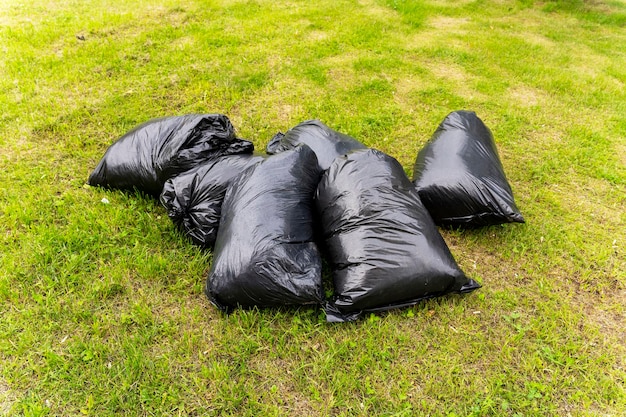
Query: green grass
(101, 305)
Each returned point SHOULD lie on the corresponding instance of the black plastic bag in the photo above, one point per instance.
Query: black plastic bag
(327, 143)
(193, 199)
(264, 253)
(384, 249)
(147, 156)
(459, 176)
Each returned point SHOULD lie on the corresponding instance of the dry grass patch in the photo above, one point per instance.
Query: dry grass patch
(7, 398)
(440, 31)
(456, 25)
(450, 3)
(526, 96)
(457, 79)
(371, 8)
(539, 40)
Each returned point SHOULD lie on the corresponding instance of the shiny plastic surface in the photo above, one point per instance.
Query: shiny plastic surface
(383, 247)
(193, 199)
(264, 253)
(327, 143)
(147, 156)
(460, 178)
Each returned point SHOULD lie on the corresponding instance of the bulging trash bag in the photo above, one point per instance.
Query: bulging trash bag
(147, 156)
(264, 253)
(459, 176)
(193, 199)
(383, 247)
(327, 143)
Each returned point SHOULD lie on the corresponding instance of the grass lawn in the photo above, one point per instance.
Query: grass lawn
(102, 310)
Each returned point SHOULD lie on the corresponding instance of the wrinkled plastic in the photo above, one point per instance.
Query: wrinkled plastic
(193, 199)
(147, 156)
(327, 143)
(264, 254)
(460, 178)
(383, 247)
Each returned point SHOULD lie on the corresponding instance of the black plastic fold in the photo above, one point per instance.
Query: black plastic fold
(147, 156)
(264, 254)
(193, 199)
(459, 176)
(327, 143)
(384, 249)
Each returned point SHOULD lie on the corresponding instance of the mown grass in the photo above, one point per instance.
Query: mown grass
(102, 310)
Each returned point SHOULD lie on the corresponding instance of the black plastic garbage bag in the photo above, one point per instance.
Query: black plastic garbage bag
(327, 143)
(264, 253)
(193, 199)
(384, 249)
(147, 156)
(459, 176)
